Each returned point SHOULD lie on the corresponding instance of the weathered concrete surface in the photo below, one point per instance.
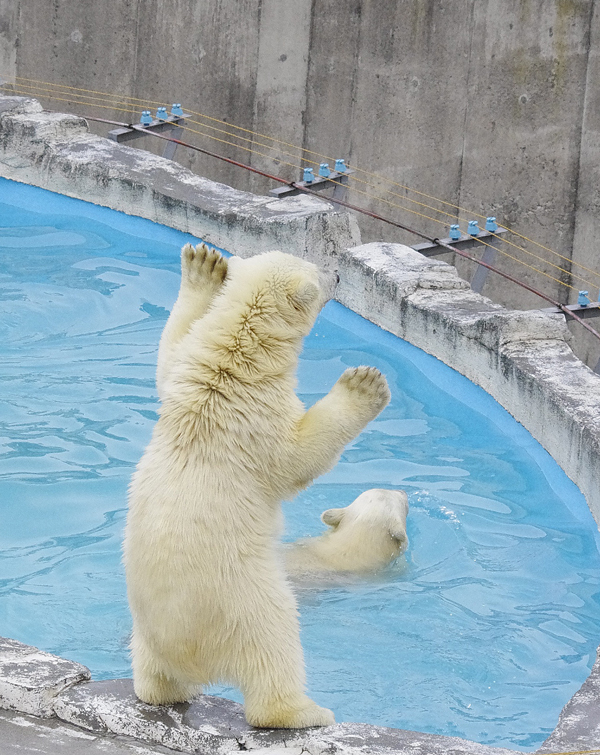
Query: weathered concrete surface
(22, 734)
(9, 13)
(281, 73)
(56, 152)
(30, 679)
(376, 100)
(212, 725)
(523, 131)
(586, 250)
(579, 723)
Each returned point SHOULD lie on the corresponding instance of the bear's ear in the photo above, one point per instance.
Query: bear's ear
(333, 517)
(397, 530)
(305, 296)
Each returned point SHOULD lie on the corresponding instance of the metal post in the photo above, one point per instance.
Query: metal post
(489, 256)
(340, 190)
(175, 133)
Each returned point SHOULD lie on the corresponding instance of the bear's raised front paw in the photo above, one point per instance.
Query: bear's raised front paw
(202, 267)
(293, 718)
(368, 386)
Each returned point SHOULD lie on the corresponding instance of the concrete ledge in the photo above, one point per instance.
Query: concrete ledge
(579, 723)
(31, 680)
(55, 151)
(208, 725)
(522, 359)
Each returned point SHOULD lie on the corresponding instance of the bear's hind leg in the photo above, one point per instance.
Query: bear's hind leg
(203, 272)
(153, 685)
(269, 668)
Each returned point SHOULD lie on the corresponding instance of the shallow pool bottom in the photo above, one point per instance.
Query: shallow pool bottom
(484, 632)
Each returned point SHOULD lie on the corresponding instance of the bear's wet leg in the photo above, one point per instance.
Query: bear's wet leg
(203, 272)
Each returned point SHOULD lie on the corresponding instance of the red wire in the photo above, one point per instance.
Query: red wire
(298, 187)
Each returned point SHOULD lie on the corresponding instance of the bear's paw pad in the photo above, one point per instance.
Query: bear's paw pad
(368, 385)
(201, 266)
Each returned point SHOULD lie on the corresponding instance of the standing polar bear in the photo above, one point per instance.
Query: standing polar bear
(207, 591)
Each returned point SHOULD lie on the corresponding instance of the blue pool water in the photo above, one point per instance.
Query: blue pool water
(487, 629)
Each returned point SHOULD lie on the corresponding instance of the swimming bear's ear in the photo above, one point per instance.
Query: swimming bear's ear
(397, 528)
(333, 517)
(305, 296)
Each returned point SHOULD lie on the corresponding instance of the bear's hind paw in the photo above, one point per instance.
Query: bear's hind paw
(163, 691)
(292, 718)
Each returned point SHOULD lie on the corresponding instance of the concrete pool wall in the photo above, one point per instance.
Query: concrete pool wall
(520, 358)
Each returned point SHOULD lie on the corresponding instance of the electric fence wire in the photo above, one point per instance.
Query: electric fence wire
(301, 188)
(122, 99)
(108, 101)
(49, 90)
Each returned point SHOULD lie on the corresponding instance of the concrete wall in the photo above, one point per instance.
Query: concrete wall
(491, 104)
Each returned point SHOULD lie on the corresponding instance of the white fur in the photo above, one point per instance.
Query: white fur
(363, 538)
(209, 599)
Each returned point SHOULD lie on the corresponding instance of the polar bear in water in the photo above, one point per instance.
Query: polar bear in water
(208, 595)
(363, 537)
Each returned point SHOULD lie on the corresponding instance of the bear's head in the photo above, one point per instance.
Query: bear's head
(369, 533)
(283, 287)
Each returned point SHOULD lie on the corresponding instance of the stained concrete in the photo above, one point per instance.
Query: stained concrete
(30, 679)
(579, 723)
(22, 734)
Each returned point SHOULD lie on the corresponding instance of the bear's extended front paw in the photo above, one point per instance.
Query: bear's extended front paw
(202, 267)
(368, 386)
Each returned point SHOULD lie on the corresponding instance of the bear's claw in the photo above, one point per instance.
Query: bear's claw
(367, 384)
(201, 266)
